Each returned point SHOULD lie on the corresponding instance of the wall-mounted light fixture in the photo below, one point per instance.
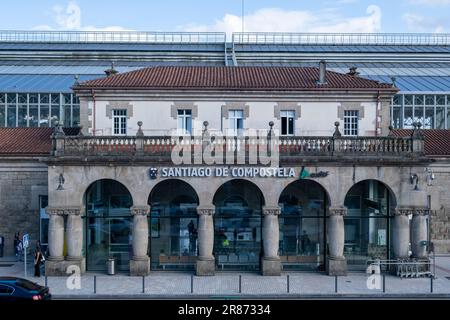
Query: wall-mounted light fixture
(61, 182)
(414, 178)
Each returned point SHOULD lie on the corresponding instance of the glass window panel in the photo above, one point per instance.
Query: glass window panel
(45, 98)
(428, 122)
(408, 118)
(2, 98)
(440, 100)
(67, 116)
(429, 100)
(2, 115)
(33, 98)
(12, 115)
(418, 99)
(55, 98)
(55, 115)
(396, 117)
(76, 115)
(33, 115)
(408, 100)
(12, 98)
(291, 125)
(283, 125)
(43, 117)
(440, 118)
(23, 115)
(448, 118)
(67, 98)
(397, 100)
(22, 98)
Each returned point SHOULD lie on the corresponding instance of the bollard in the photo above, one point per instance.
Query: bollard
(95, 284)
(46, 281)
(143, 284)
(240, 284)
(384, 283)
(288, 285)
(431, 284)
(192, 283)
(335, 284)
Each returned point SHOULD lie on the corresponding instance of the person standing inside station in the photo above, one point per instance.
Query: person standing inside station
(37, 262)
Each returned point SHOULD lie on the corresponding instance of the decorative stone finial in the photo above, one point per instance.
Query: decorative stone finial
(112, 71)
(337, 133)
(140, 133)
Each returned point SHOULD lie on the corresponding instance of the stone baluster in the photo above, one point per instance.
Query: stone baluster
(75, 237)
(400, 233)
(205, 261)
(140, 263)
(271, 265)
(419, 233)
(336, 263)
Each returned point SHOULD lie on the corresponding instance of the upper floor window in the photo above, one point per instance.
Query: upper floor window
(236, 118)
(287, 122)
(185, 121)
(120, 122)
(351, 118)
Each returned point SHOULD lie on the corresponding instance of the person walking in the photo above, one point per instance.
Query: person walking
(37, 262)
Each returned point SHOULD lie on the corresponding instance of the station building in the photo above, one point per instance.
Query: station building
(343, 173)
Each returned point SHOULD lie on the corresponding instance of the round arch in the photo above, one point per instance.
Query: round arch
(237, 225)
(368, 221)
(302, 221)
(173, 225)
(108, 224)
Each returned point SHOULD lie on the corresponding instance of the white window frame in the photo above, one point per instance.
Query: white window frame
(236, 117)
(288, 114)
(121, 116)
(184, 121)
(351, 123)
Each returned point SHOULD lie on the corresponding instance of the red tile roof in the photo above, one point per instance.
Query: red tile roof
(437, 142)
(228, 78)
(28, 141)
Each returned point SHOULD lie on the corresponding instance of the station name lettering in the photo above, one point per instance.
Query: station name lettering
(242, 172)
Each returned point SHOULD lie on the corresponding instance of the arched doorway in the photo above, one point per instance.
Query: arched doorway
(108, 225)
(237, 226)
(302, 221)
(367, 223)
(173, 226)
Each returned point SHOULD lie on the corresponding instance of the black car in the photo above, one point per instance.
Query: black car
(16, 289)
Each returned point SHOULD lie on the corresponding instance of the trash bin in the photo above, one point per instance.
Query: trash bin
(111, 266)
(2, 245)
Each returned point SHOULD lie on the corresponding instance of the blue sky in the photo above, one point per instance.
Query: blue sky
(221, 15)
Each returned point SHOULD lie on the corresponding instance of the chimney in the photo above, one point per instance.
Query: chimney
(322, 72)
(353, 71)
(112, 71)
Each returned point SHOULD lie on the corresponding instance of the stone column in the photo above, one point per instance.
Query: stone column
(336, 263)
(205, 261)
(400, 233)
(54, 264)
(75, 238)
(271, 264)
(140, 263)
(419, 233)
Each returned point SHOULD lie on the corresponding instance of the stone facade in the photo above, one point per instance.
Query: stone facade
(22, 181)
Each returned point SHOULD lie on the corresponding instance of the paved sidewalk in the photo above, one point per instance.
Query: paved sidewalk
(244, 285)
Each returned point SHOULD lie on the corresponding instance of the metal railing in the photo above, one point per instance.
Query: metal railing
(111, 37)
(341, 38)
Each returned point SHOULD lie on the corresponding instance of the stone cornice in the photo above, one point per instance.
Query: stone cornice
(337, 211)
(140, 210)
(271, 211)
(206, 211)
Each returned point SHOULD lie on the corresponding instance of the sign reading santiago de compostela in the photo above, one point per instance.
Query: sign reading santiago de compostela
(240, 172)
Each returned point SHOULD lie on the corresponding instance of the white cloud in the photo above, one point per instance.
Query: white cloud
(69, 18)
(279, 20)
(431, 2)
(418, 23)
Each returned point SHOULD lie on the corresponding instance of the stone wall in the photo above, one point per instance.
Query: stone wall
(440, 205)
(22, 181)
